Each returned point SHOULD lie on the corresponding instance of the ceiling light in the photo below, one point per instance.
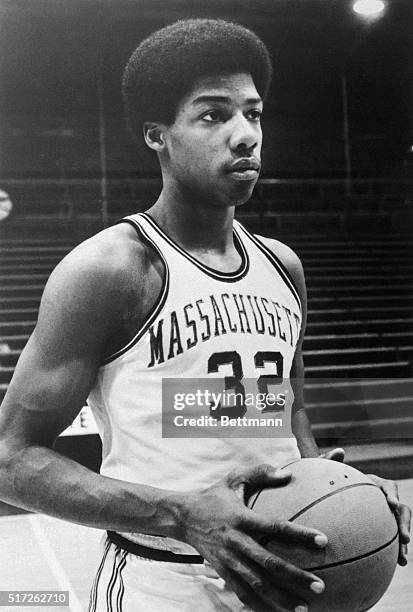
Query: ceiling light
(369, 8)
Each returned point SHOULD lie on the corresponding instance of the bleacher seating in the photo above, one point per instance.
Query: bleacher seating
(359, 342)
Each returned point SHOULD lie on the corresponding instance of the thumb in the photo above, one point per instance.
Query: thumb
(337, 454)
(266, 475)
(248, 482)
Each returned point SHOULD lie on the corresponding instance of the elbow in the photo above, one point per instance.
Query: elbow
(8, 451)
(10, 457)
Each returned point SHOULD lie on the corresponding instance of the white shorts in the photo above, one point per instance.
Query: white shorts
(125, 582)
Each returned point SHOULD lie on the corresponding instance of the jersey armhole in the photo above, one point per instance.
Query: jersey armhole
(160, 301)
(276, 262)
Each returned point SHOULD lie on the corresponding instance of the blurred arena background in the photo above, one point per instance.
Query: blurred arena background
(336, 186)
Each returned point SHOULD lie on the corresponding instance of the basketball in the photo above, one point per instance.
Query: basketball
(359, 561)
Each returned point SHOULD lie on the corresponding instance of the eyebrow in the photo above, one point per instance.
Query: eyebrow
(224, 99)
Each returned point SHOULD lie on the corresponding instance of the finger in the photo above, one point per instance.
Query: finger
(244, 593)
(402, 559)
(266, 475)
(391, 494)
(258, 477)
(253, 602)
(286, 530)
(293, 579)
(261, 587)
(389, 488)
(337, 454)
(404, 518)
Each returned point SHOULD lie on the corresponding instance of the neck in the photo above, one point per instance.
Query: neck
(194, 224)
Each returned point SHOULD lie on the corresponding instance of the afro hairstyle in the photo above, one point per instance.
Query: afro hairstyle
(164, 67)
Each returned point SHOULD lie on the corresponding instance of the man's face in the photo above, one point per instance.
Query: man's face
(213, 148)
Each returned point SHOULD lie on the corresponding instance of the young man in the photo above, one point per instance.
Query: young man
(181, 290)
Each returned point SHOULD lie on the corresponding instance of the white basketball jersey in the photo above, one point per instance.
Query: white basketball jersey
(200, 314)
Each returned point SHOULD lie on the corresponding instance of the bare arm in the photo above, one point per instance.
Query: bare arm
(56, 370)
(300, 424)
(79, 314)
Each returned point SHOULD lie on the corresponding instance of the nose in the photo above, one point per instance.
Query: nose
(245, 135)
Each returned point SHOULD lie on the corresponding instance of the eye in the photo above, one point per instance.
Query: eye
(254, 114)
(212, 116)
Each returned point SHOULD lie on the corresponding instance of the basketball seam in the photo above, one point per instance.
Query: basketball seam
(267, 538)
(320, 499)
(256, 497)
(351, 560)
(359, 484)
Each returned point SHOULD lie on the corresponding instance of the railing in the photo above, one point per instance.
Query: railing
(273, 199)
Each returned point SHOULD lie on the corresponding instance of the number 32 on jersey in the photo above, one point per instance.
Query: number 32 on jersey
(234, 385)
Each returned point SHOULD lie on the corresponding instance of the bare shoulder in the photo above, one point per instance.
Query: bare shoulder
(108, 254)
(97, 283)
(288, 258)
(105, 264)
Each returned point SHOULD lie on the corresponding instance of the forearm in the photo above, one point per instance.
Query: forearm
(305, 438)
(39, 479)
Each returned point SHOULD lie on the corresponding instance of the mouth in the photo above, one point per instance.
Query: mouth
(245, 169)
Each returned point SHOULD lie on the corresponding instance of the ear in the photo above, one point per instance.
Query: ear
(153, 135)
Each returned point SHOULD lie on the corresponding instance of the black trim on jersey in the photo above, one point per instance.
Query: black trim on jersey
(121, 590)
(217, 274)
(277, 263)
(116, 581)
(113, 579)
(158, 305)
(155, 554)
(94, 591)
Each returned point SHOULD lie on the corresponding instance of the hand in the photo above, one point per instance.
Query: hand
(402, 513)
(337, 454)
(225, 532)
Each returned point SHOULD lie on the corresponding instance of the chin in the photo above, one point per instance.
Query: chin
(223, 197)
(243, 196)
(242, 202)
(232, 200)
